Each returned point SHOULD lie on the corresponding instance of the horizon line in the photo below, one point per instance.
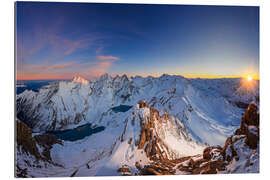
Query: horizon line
(256, 77)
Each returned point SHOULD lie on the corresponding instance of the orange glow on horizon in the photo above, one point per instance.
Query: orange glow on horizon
(41, 76)
(67, 76)
(248, 84)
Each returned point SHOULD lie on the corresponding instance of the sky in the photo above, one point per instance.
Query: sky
(62, 40)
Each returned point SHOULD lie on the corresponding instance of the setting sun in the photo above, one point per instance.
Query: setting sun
(249, 78)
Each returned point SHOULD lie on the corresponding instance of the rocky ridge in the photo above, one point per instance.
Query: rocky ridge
(240, 154)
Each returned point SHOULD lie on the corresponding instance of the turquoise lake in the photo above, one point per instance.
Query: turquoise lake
(121, 108)
(77, 133)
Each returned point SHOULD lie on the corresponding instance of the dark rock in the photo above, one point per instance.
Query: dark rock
(47, 141)
(250, 119)
(142, 139)
(124, 170)
(21, 173)
(207, 153)
(25, 140)
(143, 104)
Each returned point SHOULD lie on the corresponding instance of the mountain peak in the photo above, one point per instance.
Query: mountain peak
(105, 76)
(80, 80)
(124, 76)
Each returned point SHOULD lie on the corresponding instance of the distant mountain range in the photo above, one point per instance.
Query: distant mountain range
(146, 122)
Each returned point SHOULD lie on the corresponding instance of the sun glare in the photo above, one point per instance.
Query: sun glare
(249, 78)
(248, 83)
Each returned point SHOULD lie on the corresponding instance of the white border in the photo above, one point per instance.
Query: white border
(7, 86)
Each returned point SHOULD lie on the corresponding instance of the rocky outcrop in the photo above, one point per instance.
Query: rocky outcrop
(156, 170)
(124, 170)
(216, 159)
(25, 141)
(36, 148)
(149, 139)
(211, 152)
(244, 140)
(143, 104)
(47, 141)
(250, 126)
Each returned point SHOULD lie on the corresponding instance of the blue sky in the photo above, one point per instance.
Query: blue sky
(60, 40)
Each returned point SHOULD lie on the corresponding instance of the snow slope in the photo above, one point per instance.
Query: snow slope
(120, 145)
(202, 105)
(182, 116)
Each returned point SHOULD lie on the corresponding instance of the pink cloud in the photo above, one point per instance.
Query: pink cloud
(61, 66)
(107, 58)
(96, 70)
(46, 66)
(88, 70)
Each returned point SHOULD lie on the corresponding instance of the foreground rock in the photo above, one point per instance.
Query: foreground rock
(240, 153)
(32, 151)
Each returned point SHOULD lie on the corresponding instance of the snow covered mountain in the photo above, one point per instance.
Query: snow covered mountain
(80, 80)
(171, 117)
(202, 105)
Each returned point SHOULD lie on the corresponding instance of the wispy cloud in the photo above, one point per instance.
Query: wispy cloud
(108, 58)
(66, 70)
(52, 39)
(96, 70)
(42, 67)
(43, 50)
(64, 46)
